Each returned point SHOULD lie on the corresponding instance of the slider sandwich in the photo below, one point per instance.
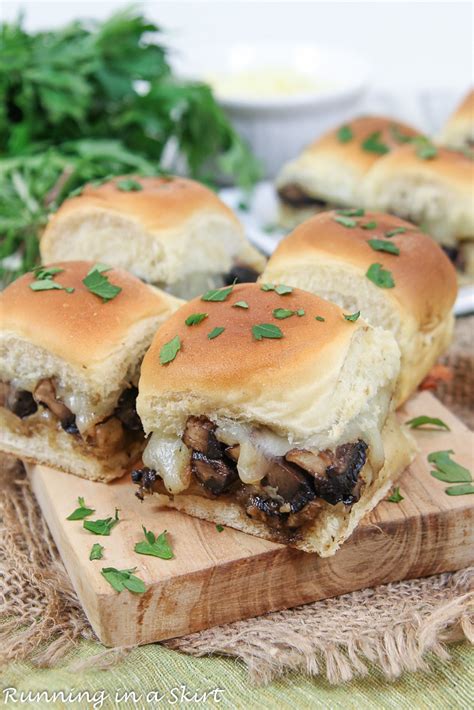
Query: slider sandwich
(396, 276)
(269, 410)
(328, 173)
(72, 340)
(172, 232)
(458, 131)
(431, 187)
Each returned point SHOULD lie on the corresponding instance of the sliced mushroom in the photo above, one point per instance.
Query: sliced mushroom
(146, 478)
(126, 410)
(215, 475)
(106, 436)
(233, 452)
(293, 485)
(199, 436)
(20, 402)
(295, 196)
(45, 393)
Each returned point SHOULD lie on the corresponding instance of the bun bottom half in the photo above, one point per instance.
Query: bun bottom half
(334, 524)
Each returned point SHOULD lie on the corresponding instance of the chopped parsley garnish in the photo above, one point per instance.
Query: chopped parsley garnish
(425, 149)
(215, 332)
(98, 284)
(448, 470)
(46, 272)
(129, 185)
(219, 528)
(195, 318)
(352, 317)
(369, 225)
(300, 312)
(381, 245)
(396, 496)
(345, 134)
(398, 136)
(121, 579)
(351, 212)
(282, 313)
(423, 420)
(373, 144)
(240, 304)
(462, 490)
(379, 276)
(280, 289)
(397, 230)
(217, 295)
(243, 206)
(101, 527)
(169, 350)
(155, 546)
(81, 512)
(44, 279)
(266, 330)
(97, 552)
(320, 318)
(345, 221)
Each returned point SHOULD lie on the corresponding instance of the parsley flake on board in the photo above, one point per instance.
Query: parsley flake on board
(129, 185)
(266, 330)
(396, 496)
(379, 276)
(219, 528)
(352, 317)
(169, 350)
(121, 579)
(345, 221)
(397, 230)
(462, 490)
(215, 332)
(217, 295)
(156, 546)
(345, 134)
(97, 552)
(381, 245)
(101, 527)
(448, 470)
(195, 318)
(240, 304)
(98, 284)
(373, 144)
(369, 225)
(351, 212)
(81, 512)
(423, 420)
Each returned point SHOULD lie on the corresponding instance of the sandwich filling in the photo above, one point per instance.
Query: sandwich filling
(283, 487)
(200, 281)
(293, 195)
(30, 411)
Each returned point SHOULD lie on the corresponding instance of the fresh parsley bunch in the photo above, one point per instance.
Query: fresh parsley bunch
(93, 100)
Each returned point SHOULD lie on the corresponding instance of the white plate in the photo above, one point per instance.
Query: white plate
(259, 215)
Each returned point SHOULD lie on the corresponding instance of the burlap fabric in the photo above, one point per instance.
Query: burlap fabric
(393, 627)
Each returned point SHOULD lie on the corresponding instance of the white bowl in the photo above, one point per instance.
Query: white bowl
(278, 127)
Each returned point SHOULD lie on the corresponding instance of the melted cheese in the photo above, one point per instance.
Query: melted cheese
(171, 459)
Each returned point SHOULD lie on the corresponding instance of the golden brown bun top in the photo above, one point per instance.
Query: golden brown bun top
(79, 327)
(235, 360)
(425, 279)
(162, 203)
(362, 128)
(465, 110)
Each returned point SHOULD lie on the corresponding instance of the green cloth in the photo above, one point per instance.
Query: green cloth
(448, 685)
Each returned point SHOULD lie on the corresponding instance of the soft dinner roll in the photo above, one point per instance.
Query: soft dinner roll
(69, 366)
(331, 254)
(458, 132)
(328, 173)
(269, 412)
(435, 192)
(169, 231)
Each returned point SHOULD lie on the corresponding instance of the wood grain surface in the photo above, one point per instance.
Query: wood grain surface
(218, 577)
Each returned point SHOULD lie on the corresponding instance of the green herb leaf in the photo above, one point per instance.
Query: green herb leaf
(240, 304)
(266, 330)
(300, 312)
(217, 295)
(397, 230)
(129, 185)
(81, 512)
(283, 290)
(373, 144)
(379, 276)
(352, 317)
(381, 245)
(155, 546)
(243, 206)
(215, 332)
(121, 579)
(369, 225)
(101, 527)
(423, 420)
(464, 489)
(398, 136)
(97, 552)
(169, 350)
(448, 470)
(101, 268)
(282, 313)
(351, 212)
(99, 285)
(267, 287)
(195, 318)
(46, 285)
(219, 528)
(396, 496)
(320, 318)
(346, 221)
(344, 134)
(425, 149)
(46, 272)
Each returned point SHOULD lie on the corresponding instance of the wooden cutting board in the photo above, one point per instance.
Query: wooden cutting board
(218, 577)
